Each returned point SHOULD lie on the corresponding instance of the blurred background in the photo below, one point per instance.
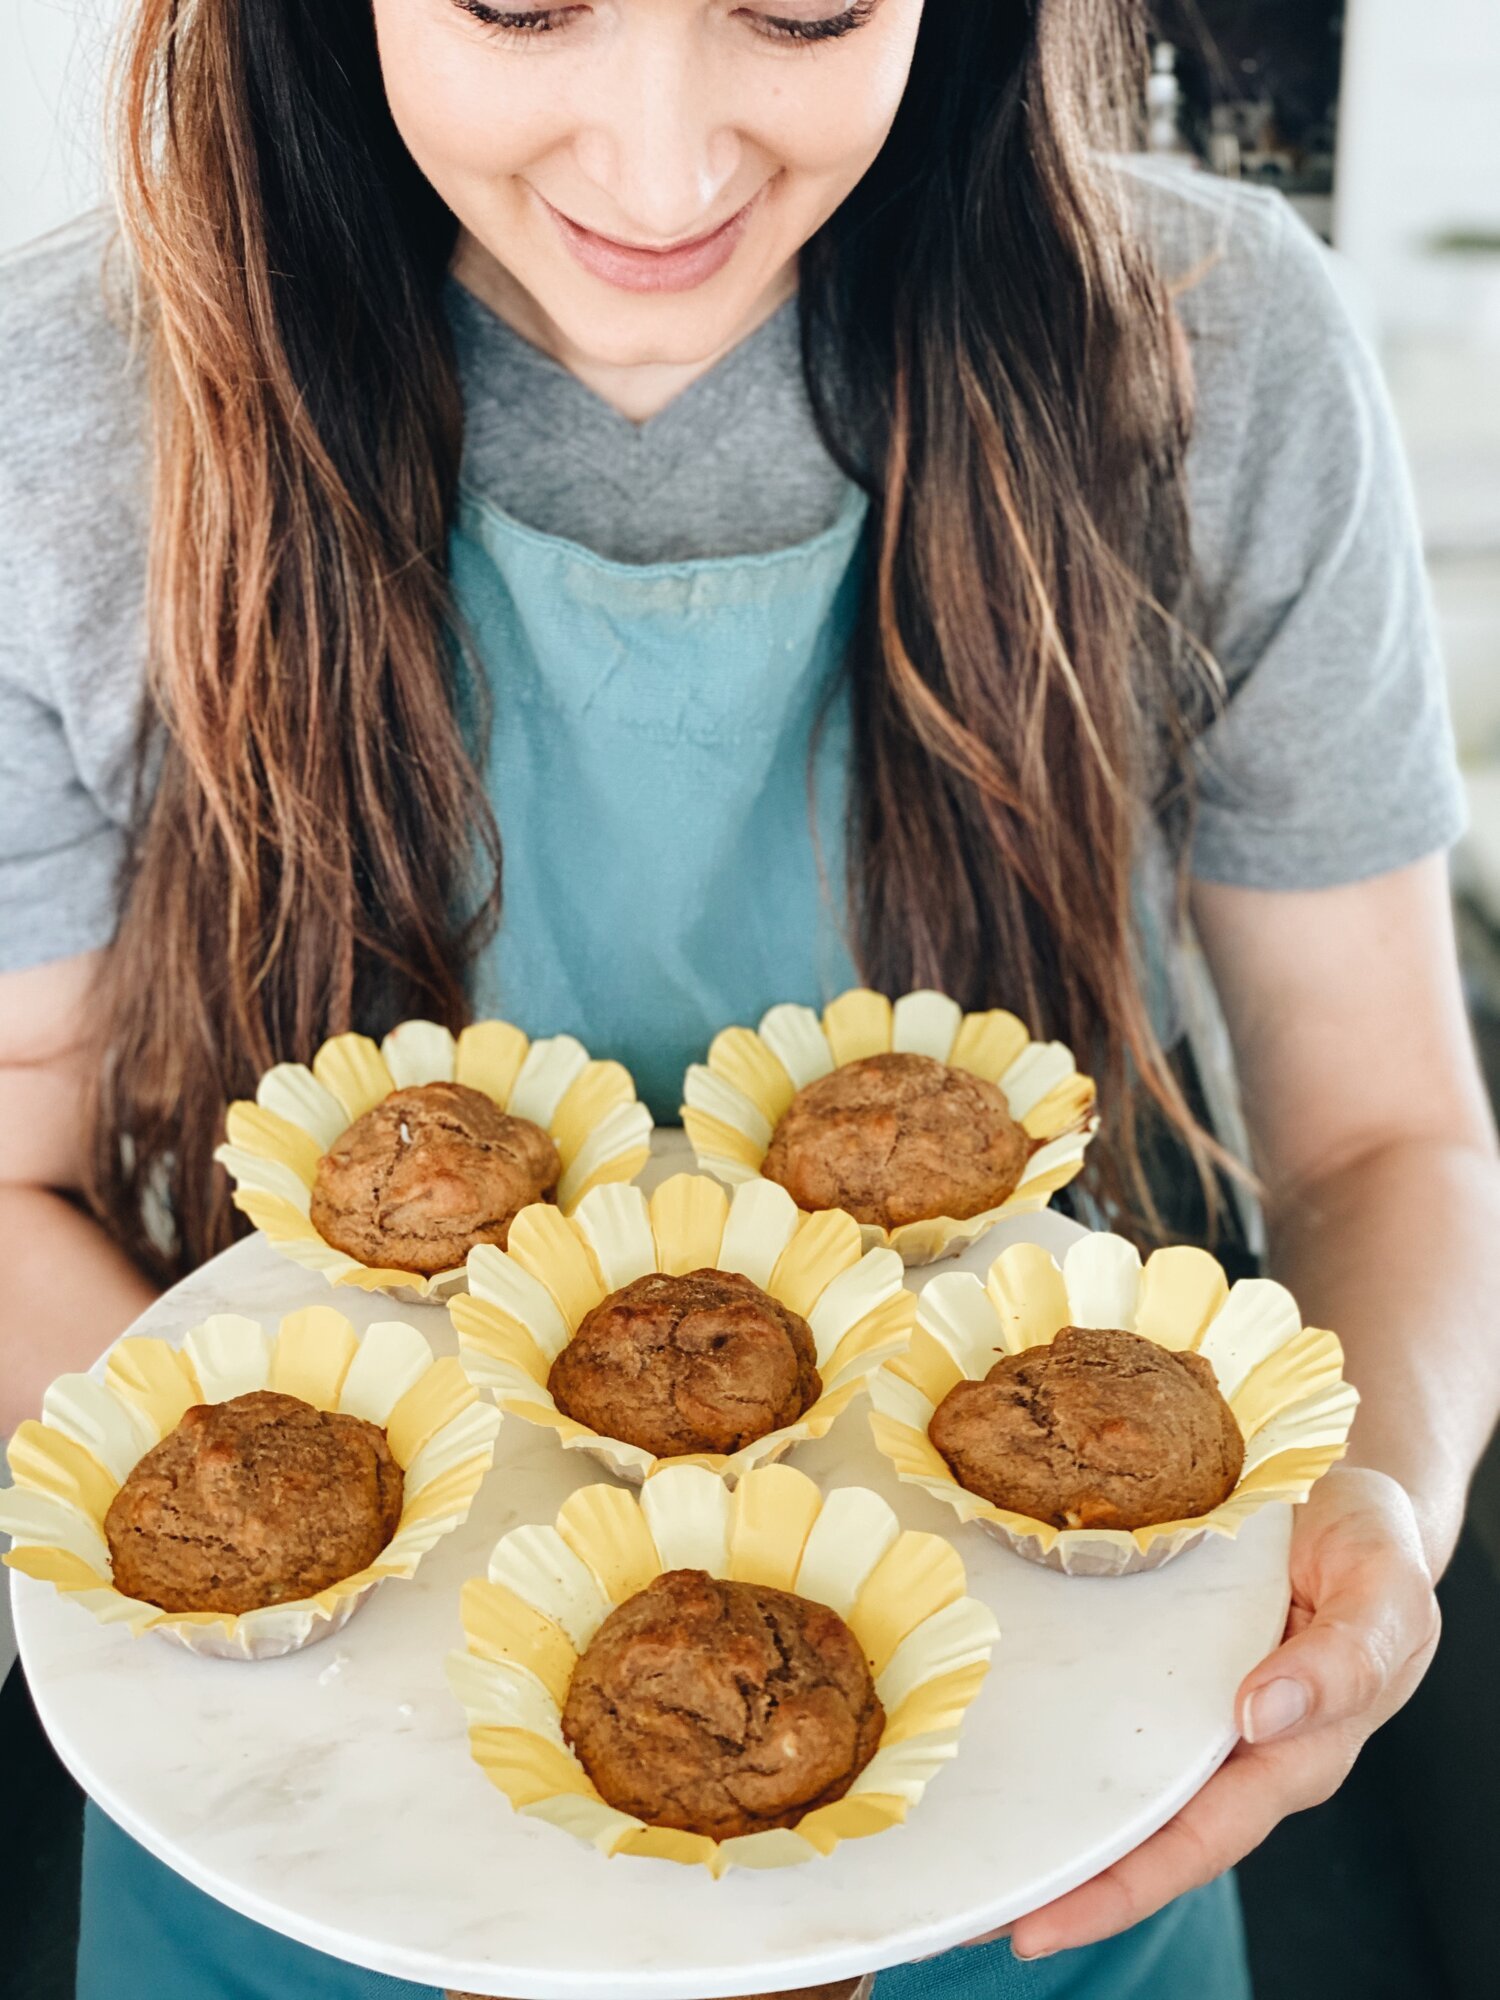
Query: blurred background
(1380, 121)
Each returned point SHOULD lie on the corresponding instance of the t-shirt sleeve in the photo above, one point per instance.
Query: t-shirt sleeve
(60, 853)
(1333, 757)
(74, 495)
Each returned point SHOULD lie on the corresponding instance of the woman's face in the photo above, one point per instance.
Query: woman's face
(644, 172)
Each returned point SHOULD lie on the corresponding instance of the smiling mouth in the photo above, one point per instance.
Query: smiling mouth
(642, 267)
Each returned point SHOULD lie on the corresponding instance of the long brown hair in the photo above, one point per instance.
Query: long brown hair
(990, 352)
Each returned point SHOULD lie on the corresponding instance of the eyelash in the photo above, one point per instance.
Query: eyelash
(516, 27)
(829, 30)
(530, 26)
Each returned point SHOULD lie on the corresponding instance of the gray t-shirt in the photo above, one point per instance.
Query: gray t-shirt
(1332, 762)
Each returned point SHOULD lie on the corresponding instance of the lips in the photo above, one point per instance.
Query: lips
(633, 267)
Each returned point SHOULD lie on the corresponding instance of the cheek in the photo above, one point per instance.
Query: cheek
(829, 118)
(450, 102)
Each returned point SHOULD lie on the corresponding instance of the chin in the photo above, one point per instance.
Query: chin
(627, 337)
(629, 330)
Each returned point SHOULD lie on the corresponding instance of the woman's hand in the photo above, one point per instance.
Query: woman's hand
(1361, 1631)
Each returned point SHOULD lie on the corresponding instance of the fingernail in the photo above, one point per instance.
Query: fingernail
(1275, 1708)
(1047, 1951)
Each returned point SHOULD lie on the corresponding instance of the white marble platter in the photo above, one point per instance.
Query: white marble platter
(331, 1794)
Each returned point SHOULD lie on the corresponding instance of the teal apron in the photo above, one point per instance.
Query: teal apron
(665, 738)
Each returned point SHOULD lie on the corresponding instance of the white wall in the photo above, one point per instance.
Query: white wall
(52, 61)
(1419, 153)
(1419, 156)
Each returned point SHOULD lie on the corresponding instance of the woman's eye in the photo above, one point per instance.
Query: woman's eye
(528, 23)
(524, 23)
(813, 28)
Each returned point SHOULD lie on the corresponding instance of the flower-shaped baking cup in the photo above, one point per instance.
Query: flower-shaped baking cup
(1283, 1381)
(735, 1100)
(93, 1433)
(524, 1304)
(550, 1589)
(600, 1128)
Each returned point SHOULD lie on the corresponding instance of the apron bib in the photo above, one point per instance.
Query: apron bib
(655, 730)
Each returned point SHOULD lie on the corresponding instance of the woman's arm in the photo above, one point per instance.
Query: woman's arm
(1372, 1133)
(1372, 1129)
(68, 1290)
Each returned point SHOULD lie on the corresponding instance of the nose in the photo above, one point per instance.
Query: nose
(654, 141)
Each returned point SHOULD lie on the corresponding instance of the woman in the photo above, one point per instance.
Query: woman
(772, 468)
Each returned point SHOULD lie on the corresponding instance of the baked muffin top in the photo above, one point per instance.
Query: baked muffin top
(1100, 1430)
(424, 1176)
(705, 1361)
(722, 1708)
(898, 1138)
(256, 1501)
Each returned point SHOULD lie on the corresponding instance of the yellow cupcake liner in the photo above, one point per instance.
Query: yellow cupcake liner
(590, 1109)
(524, 1304)
(1283, 1381)
(93, 1433)
(550, 1589)
(735, 1100)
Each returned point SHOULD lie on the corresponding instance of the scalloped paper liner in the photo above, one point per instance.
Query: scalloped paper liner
(601, 1129)
(550, 1589)
(1283, 1381)
(523, 1305)
(735, 1100)
(69, 1467)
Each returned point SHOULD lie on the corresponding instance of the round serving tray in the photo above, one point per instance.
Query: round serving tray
(331, 1795)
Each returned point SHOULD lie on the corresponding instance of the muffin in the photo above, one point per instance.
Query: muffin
(722, 1708)
(898, 1138)
(701, 1362)
(428, 1173)
(260, 1500)
(1101, 1429)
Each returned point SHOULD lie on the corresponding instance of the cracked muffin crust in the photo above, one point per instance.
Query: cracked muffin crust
(722, 1708)
(1100, 1430)
(256, 1501)
(898, 1138)
(424, 1176)
(701, 1362)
